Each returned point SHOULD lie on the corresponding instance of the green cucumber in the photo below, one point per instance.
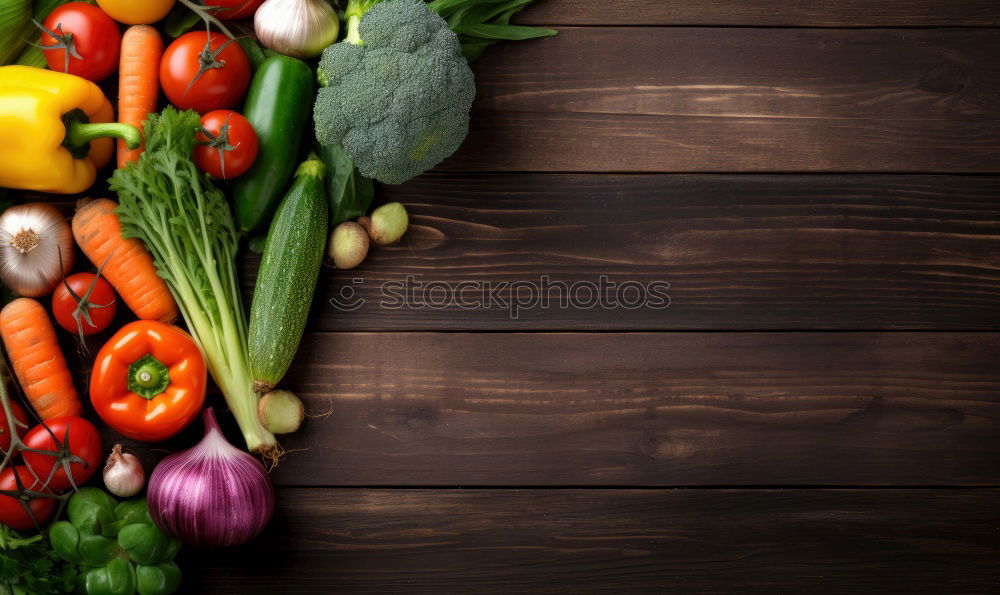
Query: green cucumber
(278, 106)
(293, 254)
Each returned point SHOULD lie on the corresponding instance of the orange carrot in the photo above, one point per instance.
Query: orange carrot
(129, 269)
(37, 359)
(138, 82)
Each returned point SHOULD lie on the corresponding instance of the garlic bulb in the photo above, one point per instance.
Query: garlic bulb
(123, 473)
(297, 28)
(33, 237)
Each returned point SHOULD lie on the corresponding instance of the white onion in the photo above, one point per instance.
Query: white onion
(32, 238)
(123, 473)
(298, 28)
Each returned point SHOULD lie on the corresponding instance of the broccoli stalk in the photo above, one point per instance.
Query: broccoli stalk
(355, 10)
(352, 15)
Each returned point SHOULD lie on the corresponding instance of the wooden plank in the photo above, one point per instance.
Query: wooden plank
(584, 541)
(816, 13)
(738, 252)
(623, 99)
(663, 409)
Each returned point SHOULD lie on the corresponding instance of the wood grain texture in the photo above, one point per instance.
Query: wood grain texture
(635, 409)
(796, 13)
(584, 541)
(738, 252)
(620, 99)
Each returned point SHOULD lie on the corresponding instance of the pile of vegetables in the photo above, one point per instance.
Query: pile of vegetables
(273, 142)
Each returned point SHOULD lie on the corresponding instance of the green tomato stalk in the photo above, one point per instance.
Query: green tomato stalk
(186, 224)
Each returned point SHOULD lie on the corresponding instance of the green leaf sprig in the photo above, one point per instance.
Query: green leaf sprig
(481, 23)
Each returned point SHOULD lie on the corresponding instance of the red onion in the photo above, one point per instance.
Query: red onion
(212, 494)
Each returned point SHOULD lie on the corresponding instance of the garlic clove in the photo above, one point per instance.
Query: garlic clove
(123, 473)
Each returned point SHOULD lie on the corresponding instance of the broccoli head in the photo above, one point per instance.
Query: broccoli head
(396, 93)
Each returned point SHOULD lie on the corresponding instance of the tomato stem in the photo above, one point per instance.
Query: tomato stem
(21, 494)
(83, 304)
(64, 41)
(220, 142)
(208, 58)
(206, 15)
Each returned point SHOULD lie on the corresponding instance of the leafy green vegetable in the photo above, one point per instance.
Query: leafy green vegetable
(397, 92)
(130, 555)
(186, 224)
(256, 243)
(350, 193)
(29, 566)
(180, 20)
(253, 51)
(481, 23)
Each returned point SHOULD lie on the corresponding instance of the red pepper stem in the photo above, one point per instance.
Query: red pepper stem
(148, 377)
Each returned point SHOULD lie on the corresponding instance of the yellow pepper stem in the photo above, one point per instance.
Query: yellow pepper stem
(79, 133)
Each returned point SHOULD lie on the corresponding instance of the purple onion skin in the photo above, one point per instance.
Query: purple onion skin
(212, 494)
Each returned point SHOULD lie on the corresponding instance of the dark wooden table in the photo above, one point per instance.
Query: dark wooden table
(817, 408)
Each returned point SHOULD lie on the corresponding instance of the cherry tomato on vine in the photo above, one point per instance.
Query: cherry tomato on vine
(83, 444)
(227, 144)
(204, 72)
(12, 513)
(81, 39)
(5, 425)
(84, 304)
(234, 9)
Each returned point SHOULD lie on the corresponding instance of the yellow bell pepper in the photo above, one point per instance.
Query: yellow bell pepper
(54, 130)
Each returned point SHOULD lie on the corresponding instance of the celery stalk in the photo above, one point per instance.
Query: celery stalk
(186, 224)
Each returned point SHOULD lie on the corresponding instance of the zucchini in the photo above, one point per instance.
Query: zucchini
(278, 106)
(293, 254)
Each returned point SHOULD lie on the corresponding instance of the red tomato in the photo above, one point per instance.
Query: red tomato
(234, 9)
(204, 77)
(12, 513)
(84, 442)
(227, 144)
(5, 426)
(84, 303)
(82, 40)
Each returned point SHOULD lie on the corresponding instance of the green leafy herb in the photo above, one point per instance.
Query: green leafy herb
(29, 565)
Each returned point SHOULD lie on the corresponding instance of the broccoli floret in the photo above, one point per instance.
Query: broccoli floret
(397, 92)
